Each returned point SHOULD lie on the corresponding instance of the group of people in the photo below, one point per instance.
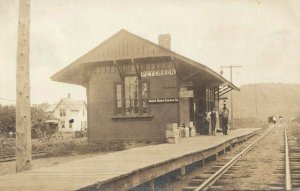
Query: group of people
(210, 121)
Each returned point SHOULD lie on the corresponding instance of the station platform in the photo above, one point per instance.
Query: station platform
(124, 169)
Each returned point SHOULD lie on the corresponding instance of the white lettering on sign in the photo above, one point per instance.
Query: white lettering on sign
(163, 100)
(169, 72)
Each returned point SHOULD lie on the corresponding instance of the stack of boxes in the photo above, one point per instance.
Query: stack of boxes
(175, 133)
(172, 133)
(182, 131)
(192, 129)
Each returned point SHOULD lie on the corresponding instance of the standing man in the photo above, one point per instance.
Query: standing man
(213, 120)
(225, 114)
(206, 123)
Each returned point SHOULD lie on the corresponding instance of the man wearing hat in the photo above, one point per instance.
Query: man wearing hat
(224, 115)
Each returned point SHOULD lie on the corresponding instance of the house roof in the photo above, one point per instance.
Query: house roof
(125, 45)
(68, 103)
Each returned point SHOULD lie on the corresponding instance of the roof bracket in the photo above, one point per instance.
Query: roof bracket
(120, 70)
(225, 92)
(137, 68)
(176, 66)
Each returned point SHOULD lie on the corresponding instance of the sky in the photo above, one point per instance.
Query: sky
(261, 36)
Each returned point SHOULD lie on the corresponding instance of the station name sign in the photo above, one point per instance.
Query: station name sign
(169, 72)
(163, 100)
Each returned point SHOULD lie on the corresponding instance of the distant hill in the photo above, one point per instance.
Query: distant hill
(263, 100)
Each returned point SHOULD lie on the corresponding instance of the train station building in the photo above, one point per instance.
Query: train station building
(135, 88)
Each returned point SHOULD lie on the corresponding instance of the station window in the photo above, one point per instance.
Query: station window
(131, 95)
(133, 98)
(145, 95)
(119, 98)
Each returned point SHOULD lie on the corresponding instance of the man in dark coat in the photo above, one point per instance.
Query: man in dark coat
(206, 119)
(224, 115)
(213, 121)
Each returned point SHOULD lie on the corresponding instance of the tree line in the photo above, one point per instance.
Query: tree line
(38, 118)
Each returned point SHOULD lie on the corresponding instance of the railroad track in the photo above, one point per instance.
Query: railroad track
(7, 158)
(293, 139)
(275, 154)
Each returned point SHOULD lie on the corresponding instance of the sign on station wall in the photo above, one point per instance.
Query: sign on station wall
(163, 100)
(186, 93)
(168, 72)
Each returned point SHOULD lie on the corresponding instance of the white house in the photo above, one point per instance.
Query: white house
(71, 114)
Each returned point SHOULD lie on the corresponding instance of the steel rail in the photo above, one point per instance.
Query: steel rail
(288, 180)
(213, 178)
(8, 158)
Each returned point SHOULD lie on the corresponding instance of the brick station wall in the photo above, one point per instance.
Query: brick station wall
(101, 109)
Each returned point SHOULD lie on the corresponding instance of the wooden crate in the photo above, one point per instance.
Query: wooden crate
(172, 133)
(174, 140)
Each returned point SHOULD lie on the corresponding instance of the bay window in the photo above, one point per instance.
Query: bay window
(132, 96)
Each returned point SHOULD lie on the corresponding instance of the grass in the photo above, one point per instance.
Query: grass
(70, 147)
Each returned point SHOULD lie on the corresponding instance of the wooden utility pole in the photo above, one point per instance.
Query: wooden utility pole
(231, 102)
(23, 116)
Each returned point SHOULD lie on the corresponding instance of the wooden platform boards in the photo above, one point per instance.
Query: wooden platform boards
(125, 169)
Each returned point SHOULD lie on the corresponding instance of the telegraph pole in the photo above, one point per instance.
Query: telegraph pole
(23, 116)
(231, 95)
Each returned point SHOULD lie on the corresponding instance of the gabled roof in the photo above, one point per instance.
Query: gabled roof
(126, 45)
(69, 104)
